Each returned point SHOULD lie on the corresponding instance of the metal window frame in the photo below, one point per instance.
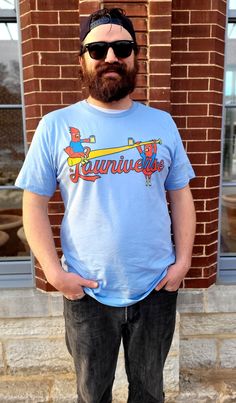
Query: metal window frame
(226, 272)
(16, 273)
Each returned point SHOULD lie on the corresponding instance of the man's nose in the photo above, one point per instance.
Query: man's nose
(111, 57)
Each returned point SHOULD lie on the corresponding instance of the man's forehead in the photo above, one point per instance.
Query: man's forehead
(107, 32)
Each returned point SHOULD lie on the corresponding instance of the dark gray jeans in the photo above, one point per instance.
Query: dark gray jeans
(93, 335)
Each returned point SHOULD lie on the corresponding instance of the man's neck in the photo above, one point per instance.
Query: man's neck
(124, 103)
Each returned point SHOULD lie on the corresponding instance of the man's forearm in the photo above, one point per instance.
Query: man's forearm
(39, 234)
(183, 224)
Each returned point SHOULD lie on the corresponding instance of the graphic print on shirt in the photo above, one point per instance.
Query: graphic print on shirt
(83, 167)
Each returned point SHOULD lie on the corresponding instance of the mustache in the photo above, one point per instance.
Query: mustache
(108, 67)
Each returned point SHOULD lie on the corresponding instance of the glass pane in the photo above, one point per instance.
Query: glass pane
(229, 153)
(12, 148)
(7, 4)
(12, 238)
(9, 64)
(232, 4)
(230, 77)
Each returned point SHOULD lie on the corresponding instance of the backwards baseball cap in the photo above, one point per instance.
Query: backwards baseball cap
(106, 16)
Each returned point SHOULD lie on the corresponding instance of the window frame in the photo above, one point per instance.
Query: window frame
(226, 264)
(16, 273)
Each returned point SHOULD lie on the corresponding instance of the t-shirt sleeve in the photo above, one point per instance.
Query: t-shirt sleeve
(38, 173)
(180, 171)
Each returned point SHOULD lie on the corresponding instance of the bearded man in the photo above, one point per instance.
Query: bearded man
(120, 271)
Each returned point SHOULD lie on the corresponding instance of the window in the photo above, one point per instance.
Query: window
(228, 196)
(15, 262)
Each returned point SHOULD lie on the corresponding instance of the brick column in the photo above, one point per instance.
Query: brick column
(50, 36)
(159, 53)
(196, 95)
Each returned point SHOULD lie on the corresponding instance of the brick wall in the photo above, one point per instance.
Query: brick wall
(181, 71)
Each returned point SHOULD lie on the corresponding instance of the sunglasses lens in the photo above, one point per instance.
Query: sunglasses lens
(97, 50)
(122, 49)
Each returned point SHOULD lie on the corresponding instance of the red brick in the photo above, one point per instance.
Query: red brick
(159, 8)
(197, 158)
(206, 71)
(88, 7)
(212, 204)
(204, 97)
(29, 32)
(45, 44)
(43, 98)
(207, 17)
(139, 94)
(140, 24)
(70, 71)
(160, 52)
(190, 110)
(70, 97)
(195, 273)
(43, 71)
(213, 158)
(26, 6)
(137, 9)
(206, 170)
(201, 146)
(69, 17)
(193, 134)
(189, 84)
(59, 85)
(30, 58)
(189, 58)
(70, 45)
(160, 37)
(179, 44)
(203, 121)
(52, 107)
(162, 82)
(217, 32)
(200, 283)
(60, 58)
(179, 71)
(162, 94)
(31, 85)
(160, 22)
(191, 4)
(158, 67)
(180, 17)
(206, 45)
(58, 31)
(191, 31)
(178, 98)
(58, 5)
(32, 111)
(44, 17)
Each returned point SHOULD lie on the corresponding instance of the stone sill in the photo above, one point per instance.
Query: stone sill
(30, 302)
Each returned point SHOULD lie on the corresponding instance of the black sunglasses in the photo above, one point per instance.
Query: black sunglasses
(98, 50)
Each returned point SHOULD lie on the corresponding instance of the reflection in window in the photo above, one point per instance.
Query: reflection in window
(7, 4)
(229, 154)
(9, 70)
(12, 237)
(228, 221)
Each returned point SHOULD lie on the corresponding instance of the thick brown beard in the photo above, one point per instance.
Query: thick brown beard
(108, 89)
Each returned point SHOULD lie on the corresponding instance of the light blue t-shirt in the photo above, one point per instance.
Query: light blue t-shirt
(116, 226)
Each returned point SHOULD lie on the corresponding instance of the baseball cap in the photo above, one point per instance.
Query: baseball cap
(106, 16)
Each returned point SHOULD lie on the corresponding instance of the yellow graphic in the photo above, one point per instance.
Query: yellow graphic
(108, 151)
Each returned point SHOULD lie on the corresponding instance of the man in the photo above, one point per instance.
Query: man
(120, 273)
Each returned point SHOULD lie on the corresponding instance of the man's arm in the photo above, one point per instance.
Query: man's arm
(39, 235)
(184, 226)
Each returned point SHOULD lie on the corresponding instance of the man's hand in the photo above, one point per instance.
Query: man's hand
(173, 278)
(71, 285)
